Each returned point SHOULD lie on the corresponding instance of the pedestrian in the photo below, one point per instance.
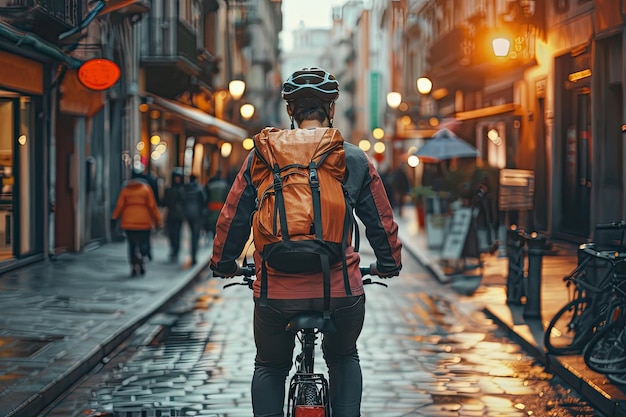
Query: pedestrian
(138, 214)
(152, 182)
(310, 96)
(216, 191)
(194, 202)
(400, 185)
(174, 217)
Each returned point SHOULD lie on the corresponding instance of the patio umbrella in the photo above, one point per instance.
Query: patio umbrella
(445, 145)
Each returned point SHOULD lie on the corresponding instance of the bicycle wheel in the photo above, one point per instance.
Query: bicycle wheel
(606, 351)
(308, 394)
(569, 329)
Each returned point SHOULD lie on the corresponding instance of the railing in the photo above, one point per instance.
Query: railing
(172, 38)
(68, 12)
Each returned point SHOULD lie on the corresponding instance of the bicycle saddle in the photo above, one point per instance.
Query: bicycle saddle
(313, 320)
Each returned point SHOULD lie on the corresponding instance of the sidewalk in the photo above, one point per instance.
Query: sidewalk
(60, 318)
(490, 292)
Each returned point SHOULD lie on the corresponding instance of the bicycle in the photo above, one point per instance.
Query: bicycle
(573, 326)
(606, 350)
(308, 394)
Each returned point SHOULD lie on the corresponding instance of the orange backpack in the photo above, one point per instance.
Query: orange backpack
(303, 221)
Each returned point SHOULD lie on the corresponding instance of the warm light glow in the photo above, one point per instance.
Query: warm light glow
(365, 145)
(394, 99)
(247, 111)
(161, 148)
(155, 155)
(154, 114)
(155, 139)
(413, 161)
(500, 46)
(140, 146)
(406, 120)
(236, 88)
(378, 133)
(379, 147)
(433, 121)
(492, 134)
(226, 149)
(248, 144)
(143, 107)
(22, 140)
(424, 85)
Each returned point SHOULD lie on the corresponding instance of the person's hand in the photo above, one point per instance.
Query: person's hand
(374, 271)
(222, 274)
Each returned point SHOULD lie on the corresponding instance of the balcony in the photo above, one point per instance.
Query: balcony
(45, 18)
(171, 54)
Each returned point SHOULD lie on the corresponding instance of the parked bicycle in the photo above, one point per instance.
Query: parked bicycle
(308, 394)
(574, 325)
(606, 351)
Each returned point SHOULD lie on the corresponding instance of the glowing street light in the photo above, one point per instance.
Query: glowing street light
(247, 111)
(424, 85)
(236, 88)
(394, 99)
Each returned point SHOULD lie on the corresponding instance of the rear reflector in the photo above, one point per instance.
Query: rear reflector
(310, 411)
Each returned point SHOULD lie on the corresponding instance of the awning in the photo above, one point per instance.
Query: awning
(212, 124)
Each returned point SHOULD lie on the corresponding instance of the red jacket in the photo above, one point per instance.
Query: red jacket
(137, 207)
(368, 197)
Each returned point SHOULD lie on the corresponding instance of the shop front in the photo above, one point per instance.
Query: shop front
(22, 160)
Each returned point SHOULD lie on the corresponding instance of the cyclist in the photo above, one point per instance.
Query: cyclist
(310, 96)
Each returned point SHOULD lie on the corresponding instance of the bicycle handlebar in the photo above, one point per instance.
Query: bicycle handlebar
(248, 271)
(615, 225)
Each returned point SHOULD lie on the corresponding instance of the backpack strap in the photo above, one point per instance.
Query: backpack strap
(317, 203)
(280, 202)
(348, 223)
(326, 274)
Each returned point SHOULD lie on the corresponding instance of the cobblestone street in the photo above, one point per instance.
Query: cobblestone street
(425, 351)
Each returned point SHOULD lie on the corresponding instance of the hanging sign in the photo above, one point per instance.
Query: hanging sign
(98, 74)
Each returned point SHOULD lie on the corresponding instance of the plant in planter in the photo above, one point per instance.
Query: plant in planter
(419, 194)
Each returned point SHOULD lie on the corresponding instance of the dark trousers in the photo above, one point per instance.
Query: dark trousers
(195, 227)
(138, 245)
(174, 228)
(275, 352)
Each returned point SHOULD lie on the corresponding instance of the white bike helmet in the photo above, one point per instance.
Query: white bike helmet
(311, 82)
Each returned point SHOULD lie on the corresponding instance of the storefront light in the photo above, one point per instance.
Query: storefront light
(379, 147)
(22, 140)
(378, 133)
(501, 46)
(226, 149)
(413, 161)
(424, 85)
(155, 139)
(248, 144)
(394, 99)
(365, 145)
(247, 111)
(236, 88)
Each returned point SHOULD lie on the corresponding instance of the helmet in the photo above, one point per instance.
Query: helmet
(311, 82)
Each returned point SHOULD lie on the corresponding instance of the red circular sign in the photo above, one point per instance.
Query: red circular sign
(98, 74)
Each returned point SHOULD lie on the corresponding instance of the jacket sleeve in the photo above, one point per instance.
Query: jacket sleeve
(373, 209)
(234, 222)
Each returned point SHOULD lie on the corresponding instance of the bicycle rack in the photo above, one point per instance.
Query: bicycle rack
(515, 252)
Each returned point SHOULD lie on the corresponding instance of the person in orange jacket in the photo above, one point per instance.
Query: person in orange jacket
(138, 213)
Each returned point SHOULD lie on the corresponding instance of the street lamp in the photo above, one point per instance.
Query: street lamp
(236, 88)
(501, 46)
(247, 111)
(394, 99)
(424, 85)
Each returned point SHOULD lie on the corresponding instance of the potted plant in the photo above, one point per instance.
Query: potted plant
(419, 194)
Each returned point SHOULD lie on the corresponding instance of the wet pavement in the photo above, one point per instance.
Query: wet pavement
(64, 318)
(423, 353)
